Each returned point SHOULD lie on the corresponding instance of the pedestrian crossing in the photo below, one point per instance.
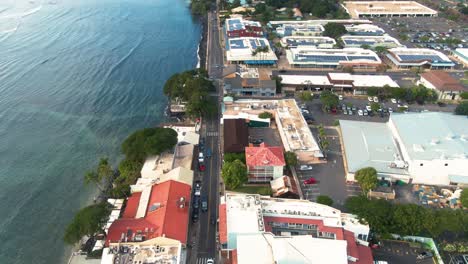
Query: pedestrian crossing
(204, 260)
(212, 134)
(353, 189)
(310, 192)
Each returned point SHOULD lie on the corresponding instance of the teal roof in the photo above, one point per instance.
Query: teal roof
(369, 144)
(433, 135)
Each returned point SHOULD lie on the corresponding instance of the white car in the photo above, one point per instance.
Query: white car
(360, 112)
(210, 261)
(305, 111)
(370, 98)
(393, 100)
(376, 99)
(405, 106)
(305, 167)
(201, 158)
(390, 110)
(368, 108)
(340, 97)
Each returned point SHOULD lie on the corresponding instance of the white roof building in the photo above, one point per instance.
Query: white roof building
(364, 30)
(242, 50)
(462, 55)
(359, 9)
(429, 147)
(310, 41)
(371, 41)
(416, 57)
(271, 230)
(332, 58)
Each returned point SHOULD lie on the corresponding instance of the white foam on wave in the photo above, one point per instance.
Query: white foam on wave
(26, 13)
(198, 55)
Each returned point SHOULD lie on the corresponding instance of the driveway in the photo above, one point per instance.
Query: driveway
(399, 252)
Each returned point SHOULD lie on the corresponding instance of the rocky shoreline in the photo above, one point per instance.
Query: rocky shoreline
(203, 41)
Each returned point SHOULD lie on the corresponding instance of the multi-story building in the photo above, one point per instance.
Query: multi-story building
(359, 9)
(416, 57)
(318, 42)
(264, 163)
(371, 41)
(462, 55)
(239, 27)
(364, 30)
(244, 81)
(250, 51)
(306, 57)
(272, 230)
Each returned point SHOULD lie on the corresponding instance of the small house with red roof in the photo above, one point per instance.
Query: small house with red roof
(264, 163)
(161, 210)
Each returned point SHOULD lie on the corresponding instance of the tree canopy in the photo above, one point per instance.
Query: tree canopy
(462, 109)
(149, 141)
(326, 200)
(305, 96)
(191, 87)
(334, 30)
(87, 221)
(367, 179)
(464, 197)
(234, 174)
(329, 100)
(265, 115)
(408, 219)
(101, 176)
(290, 158)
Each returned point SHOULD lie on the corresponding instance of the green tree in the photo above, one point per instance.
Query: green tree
(305, 96)
(326, 200)
(372, 91)
(234, 174)
(381, 49)
(230, 157)
(365, 46)
(367, 179)
(130, 170)
(236, 3)
(374, 106)
(409, 218)
(334, 30)
(462, 108)
(265, 115)
(348, 69)
(87, 221)
(398, 93)
(377, 213)
(101, 176)
(279, 85)
(329, 100)
(149, 141)
(464, 197)
(464, 95)
(290, 158)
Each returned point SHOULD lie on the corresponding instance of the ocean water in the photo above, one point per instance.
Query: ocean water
(76, 77)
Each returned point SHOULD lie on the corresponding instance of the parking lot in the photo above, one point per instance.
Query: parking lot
(400, 252)
(268, 135)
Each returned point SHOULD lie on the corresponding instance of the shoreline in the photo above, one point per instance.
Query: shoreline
(202, 45)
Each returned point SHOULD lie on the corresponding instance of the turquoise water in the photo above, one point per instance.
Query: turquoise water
(76, 77)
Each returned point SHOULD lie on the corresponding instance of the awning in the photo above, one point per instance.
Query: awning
(458, 179)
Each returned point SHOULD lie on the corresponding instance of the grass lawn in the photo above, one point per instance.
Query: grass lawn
(263, 190)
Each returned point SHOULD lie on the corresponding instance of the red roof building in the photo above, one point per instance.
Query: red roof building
(167, 214)
(264, 163)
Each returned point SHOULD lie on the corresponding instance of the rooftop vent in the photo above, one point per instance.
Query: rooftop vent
(154, 207)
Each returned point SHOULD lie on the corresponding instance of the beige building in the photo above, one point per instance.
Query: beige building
(359, 9)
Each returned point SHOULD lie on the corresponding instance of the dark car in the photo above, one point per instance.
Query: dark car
(257, 141)
(424, 255)
(196, 202)
(204, 204)
(212, 220)
(195, 216)
(208, 153)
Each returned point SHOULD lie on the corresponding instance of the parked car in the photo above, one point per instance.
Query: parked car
(424, 255)
(376, 99)
(368, 108)
(201, 158)
(195, 216)
(360, 112)
(365, 112)
(210, 261)
(340, 97)
(370, 99)
(213, 220)
(257, 141)
(353, 108)
(197, 188)
(390, 110)
(208, 153)
(305, 167)
(201, 167)
(196, 202)
(311, 180)
(305, 111)
(204, 204)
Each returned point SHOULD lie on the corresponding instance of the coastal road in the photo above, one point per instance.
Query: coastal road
(207, 235)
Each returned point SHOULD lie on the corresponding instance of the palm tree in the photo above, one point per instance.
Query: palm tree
(102, 174)
(93, 177)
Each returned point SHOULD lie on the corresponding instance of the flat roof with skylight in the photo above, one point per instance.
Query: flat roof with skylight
(240, 50)
(364, 30)
(305, 56)
(409, 57)
(371, 41)
(319, 42)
